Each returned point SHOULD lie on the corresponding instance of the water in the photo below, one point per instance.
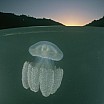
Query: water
(83, 64)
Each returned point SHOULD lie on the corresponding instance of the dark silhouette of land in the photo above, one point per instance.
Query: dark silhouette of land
(10, 20)
(97, 23)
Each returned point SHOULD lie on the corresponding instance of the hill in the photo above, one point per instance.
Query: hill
(10, 20)
(97, 23)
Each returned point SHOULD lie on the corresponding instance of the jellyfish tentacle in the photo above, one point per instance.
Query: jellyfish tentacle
(29, 74)
(35, 79)
(58, 75)
(46, 81)
(24, 75)
(31, 78)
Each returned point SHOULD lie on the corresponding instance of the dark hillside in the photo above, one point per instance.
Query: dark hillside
(10, 20)
(97, 23)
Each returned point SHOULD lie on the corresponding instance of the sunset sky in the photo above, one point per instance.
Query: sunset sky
(68, 12)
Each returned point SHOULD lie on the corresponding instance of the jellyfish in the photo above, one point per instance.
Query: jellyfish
(42, 74)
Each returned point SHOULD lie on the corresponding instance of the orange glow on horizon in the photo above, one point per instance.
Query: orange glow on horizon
(73, 23)
(72, 19)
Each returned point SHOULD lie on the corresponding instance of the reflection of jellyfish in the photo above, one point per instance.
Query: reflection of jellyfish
(42, 73)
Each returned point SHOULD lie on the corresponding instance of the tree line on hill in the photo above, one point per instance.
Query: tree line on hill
(10, 20)
(97, 23)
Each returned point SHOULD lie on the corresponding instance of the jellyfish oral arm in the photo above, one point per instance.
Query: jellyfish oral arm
(58, 75)
(43, 75)
(24, 75)
(33, 78)
(46, 81)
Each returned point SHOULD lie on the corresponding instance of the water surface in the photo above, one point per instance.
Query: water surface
(83, 64)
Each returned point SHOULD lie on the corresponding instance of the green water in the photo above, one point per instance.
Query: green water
(83, 64)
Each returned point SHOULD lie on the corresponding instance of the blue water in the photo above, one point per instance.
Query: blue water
(83, 64)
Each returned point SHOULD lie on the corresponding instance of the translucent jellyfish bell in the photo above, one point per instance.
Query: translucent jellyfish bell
(42, 73)
(45, 49)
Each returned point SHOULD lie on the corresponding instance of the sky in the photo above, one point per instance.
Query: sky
(67, 12)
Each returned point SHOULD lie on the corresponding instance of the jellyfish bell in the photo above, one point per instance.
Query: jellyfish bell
(42, 73)
(47, 50)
